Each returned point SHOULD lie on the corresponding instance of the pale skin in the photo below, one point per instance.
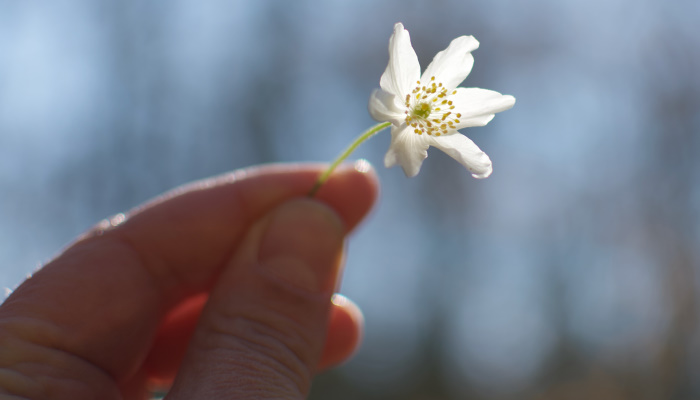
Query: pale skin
(223, 287)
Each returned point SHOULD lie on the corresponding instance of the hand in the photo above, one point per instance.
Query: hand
(224, 285)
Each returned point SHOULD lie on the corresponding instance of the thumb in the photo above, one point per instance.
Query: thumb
(262, 331)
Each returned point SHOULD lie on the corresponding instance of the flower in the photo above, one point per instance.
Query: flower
(429, 110)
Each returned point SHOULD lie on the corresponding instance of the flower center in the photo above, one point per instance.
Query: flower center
(422, 110)
(429, 109)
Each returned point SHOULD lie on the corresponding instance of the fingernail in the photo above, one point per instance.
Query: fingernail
(302, 245)
(362, 166)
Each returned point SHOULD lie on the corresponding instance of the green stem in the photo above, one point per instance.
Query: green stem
(327, 173)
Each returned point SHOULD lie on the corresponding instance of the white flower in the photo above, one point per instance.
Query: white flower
(428, 110)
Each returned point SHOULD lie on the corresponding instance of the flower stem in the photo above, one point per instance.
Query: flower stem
(327, 173)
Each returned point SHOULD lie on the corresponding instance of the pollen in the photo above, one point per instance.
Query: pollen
(424, 109)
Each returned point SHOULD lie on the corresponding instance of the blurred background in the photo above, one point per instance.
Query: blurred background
(571, 273)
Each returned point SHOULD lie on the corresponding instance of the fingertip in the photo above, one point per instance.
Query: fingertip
(345, 331)
(352, 191)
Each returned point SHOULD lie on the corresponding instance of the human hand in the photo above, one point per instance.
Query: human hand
(242, 267)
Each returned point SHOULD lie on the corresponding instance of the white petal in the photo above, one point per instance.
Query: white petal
(382, 107)
(462, 149)
(452, 65)
(478, 106)
(403, 70)
(407, 149)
